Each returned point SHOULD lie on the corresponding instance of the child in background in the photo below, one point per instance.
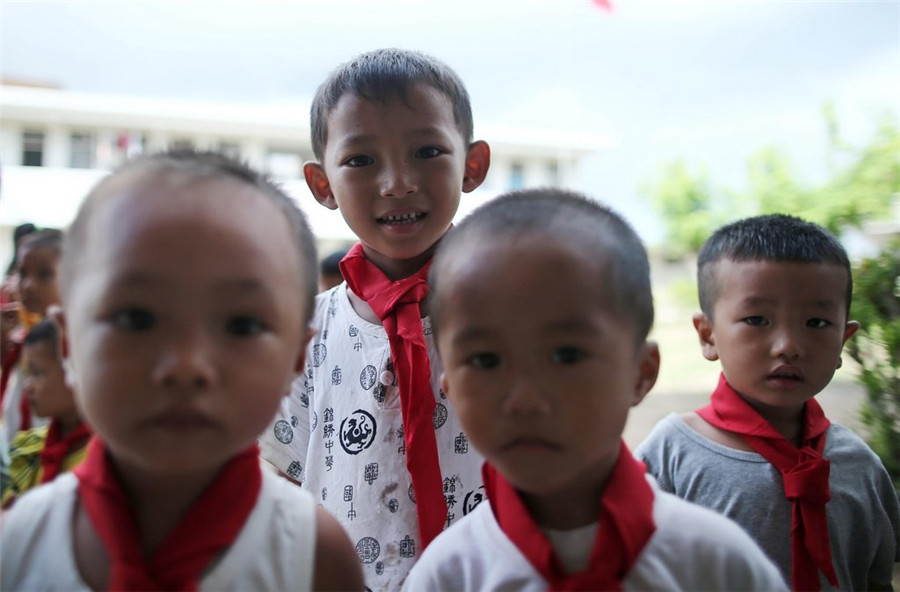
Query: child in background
(187, 283)
(775, 299)
(545, 350)
(40, 454)
(38, 289)
(330, 270)
(367, 429)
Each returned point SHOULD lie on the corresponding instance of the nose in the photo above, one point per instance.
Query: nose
(186, 363)
(785, 343)
(398, 179)
(525, 397)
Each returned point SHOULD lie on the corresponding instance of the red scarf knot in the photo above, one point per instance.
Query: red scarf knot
(804, 474)
(626, 524)
(807, 481)
(397, 304)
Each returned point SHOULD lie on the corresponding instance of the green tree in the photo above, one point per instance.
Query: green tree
(685, 200)
(876, 347)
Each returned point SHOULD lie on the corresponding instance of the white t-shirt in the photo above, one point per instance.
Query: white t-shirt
(275, 550)
(692, 549)
(341, 434)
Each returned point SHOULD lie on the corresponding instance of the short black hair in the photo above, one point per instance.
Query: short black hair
(49, 238)
(331, 263)
(44, 332)
(561, 213)
(202, 165)
(20, 232)
(382, 75)
(772, 237)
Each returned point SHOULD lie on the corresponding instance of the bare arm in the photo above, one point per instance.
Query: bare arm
(337, 565)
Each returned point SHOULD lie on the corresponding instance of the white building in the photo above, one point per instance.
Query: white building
(55, 144)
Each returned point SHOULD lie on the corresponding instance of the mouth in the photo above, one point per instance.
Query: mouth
(181, 420)
(786, 374)
(402, 219)
(530, 444)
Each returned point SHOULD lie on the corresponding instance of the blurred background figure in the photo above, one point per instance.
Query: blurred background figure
(330, 270)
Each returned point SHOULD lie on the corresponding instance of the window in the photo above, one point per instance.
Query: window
(32, 148)
(181, 144)
(81, 154)
(553, 173)
(230, 149)
(517, 176)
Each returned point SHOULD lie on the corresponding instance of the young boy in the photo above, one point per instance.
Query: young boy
(37, 261)
(544, 351)
(368, 431)
(38, 455)
(775, 299)
(187, 282)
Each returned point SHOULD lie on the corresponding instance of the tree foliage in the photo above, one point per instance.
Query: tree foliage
(876, 347)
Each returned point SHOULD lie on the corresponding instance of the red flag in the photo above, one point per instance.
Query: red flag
(606, 4)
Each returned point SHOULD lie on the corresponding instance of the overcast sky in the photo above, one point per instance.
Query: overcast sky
(711, 81)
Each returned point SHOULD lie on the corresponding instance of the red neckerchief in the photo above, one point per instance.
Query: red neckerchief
(210, 525)
(8, 364)
(625, 526)
(56, 448)
(803, 471)
(397, 305)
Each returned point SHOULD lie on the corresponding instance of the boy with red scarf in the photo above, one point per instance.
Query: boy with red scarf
(187, 281)
(775, 300)
(40, 454)
(544, 346)
(367, 429)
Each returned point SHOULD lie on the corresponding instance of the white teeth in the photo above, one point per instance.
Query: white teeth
(401, 218)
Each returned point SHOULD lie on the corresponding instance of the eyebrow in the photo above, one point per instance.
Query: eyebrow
(817, 303)
(356, 139)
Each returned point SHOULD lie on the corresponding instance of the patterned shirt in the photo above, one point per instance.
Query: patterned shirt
(341, 434)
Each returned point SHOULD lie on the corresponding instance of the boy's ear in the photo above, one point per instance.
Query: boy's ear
(445, 386)
(478, 161)
(299, 365)
(648, 371)
(318, 184)
(704, 329)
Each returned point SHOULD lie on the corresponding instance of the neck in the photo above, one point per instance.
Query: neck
(68, 422)
(788, 421)
(160, 501)
(571, 507)
(398, 269)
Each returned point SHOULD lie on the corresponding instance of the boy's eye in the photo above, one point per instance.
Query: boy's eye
(134, 319)
(359, 160)
(244, 326)
(567, 355)
(816, 323)
(45, 274)
(756, 321)
(428, 152)
(484, 361)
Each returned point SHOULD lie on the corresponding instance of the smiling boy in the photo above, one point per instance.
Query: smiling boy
(367, 429)
(775, 299)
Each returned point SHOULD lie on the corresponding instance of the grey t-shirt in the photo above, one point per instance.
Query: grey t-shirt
(863, 514)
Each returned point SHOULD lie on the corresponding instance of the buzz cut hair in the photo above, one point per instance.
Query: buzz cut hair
(43, 332)
(771, 237)
(566, 216)
(200, 165)
(382, 75)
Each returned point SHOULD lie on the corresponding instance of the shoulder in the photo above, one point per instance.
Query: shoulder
(473, 554)
(41, 515)
(336, 564)
(731, 558)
